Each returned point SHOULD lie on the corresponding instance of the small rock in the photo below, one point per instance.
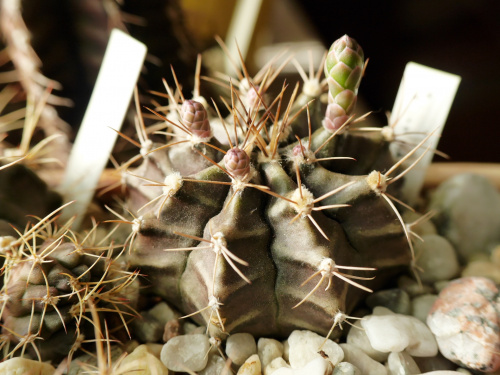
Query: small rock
(357, 337)
(482, 268)
(252, 366)
(268, 349)
(275, 364)
(286, 350)
(402, 364)
(346, 368)
(318, 366)
(142, 362)
(172, 328)
(381, 310)
(147, 328)
(436, 363)
(163, 313)
(417, 224)
(495, 255)
(396, 332)
(468, 207)
(150, 327)
(412, 287)
(304, 347)
(421, 305)
(239, 347)
(215, 366)
(465, 321)
(362, 361)
(440, 285)
(21, 366)
(192, 329)
(396, 300)
(186, 352)
(437, 258)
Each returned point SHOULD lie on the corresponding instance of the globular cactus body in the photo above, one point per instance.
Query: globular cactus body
(272, 237)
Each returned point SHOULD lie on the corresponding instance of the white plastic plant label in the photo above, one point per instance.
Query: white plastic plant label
(122, 63)
(422, 105)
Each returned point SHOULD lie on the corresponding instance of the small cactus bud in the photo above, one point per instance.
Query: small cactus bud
(343, 69)
(237, 162)
(195, 117)
(344, 65)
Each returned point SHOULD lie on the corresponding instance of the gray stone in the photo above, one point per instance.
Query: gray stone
(421, 305)
(468, 213)
(239, 347)
(436, 363)
(437, 258)
(396, 300)
(186, 352)
(412, 287)
(215, 366)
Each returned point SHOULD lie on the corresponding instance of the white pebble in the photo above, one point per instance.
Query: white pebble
(346, 368)
(362, 361)
(186, 352)
(142, 362)
(275, 364)
(402, 364)
(286, 351)
(318, 366)
(304, 347)
(239, 347)
(252, 366)
(269, 349)
(357, 337)
(395, 333)
(421, 305)
(19, 366)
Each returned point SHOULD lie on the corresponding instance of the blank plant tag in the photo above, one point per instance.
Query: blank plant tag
(422, 105)
(108, 104)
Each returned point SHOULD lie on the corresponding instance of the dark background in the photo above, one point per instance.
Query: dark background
(457, 36)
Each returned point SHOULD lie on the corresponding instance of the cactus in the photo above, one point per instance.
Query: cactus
(257, 230)
(50, 279)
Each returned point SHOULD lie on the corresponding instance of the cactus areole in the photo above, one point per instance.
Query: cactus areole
(271, 233)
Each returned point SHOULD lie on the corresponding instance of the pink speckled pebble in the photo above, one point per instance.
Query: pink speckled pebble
(465, 320)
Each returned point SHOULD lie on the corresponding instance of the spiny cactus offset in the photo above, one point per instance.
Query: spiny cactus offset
(50, 278)
(262, 227)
